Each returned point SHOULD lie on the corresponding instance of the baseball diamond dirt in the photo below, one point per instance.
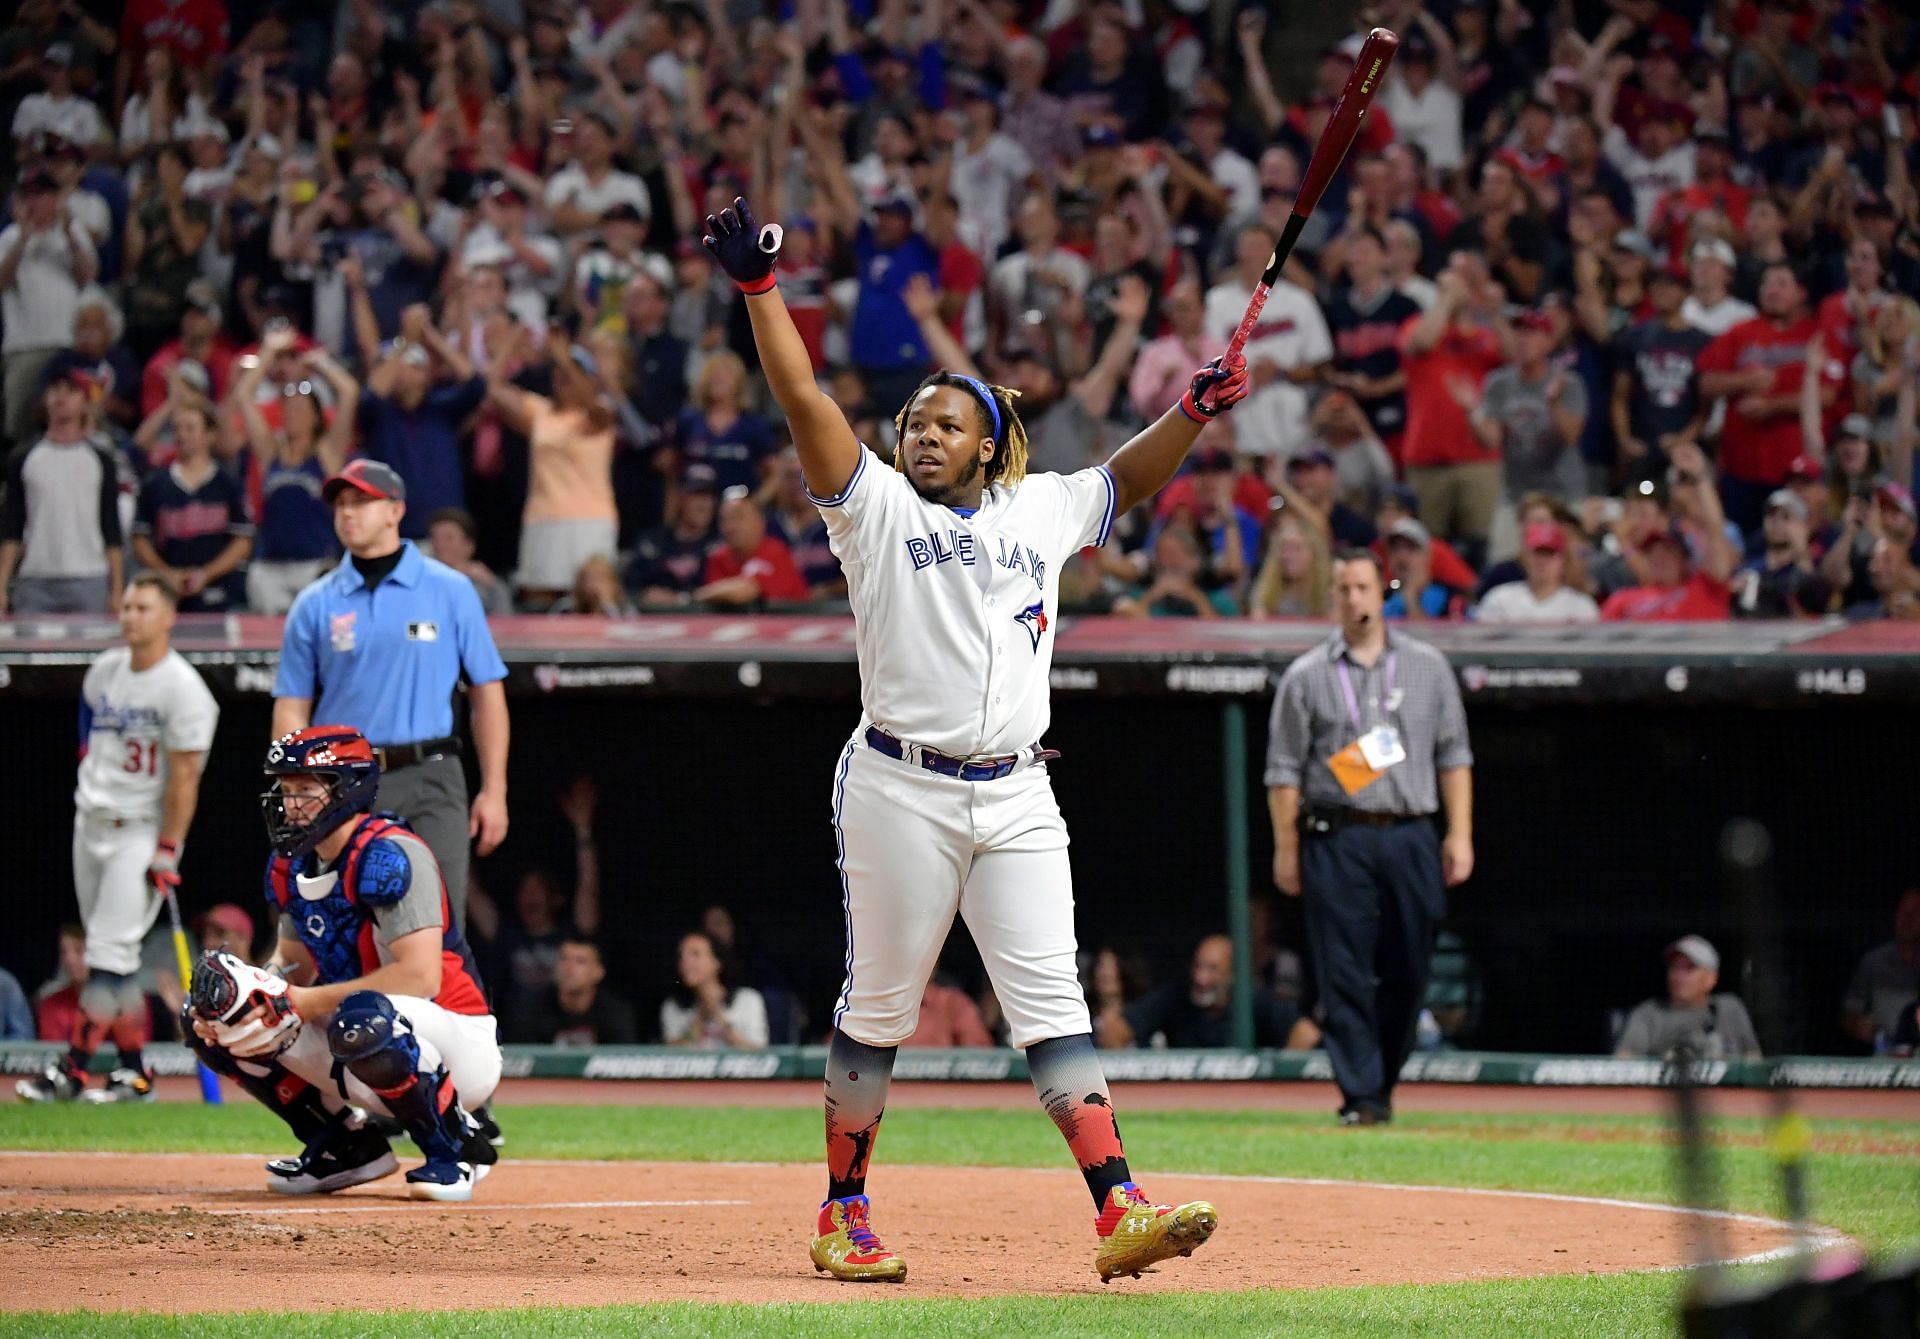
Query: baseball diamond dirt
(591, 1233)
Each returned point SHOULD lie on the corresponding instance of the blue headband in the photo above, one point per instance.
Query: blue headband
(993, 405)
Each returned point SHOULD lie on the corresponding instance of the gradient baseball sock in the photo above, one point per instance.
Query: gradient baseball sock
(858, 1076)
(127, 1039)
(83, 1039)
(1067, 1075)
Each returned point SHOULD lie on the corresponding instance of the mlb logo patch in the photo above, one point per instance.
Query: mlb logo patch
(423, 632)
(340, 629)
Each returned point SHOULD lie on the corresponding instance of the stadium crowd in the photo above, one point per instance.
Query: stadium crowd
(1610, 313)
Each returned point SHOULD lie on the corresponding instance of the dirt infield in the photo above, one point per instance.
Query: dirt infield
(198, 1233)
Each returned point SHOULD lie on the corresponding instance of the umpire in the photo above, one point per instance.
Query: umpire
(1367, 737)
(380, 643)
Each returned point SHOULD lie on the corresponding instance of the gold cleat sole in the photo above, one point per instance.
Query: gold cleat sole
(887, 1271)
(1179, 1233)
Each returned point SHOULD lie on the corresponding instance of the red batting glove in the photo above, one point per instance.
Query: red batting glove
(163, 871)
(1219, 385)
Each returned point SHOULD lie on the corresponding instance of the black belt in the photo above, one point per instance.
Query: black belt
(976, 769)
(1323, 819)
(392, 757)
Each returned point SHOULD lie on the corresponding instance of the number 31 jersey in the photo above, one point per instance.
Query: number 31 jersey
(129, 722)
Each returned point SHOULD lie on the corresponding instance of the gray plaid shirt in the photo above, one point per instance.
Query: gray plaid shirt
(1311, 722)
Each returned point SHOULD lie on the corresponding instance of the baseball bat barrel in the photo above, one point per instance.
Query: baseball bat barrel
(1343, 124)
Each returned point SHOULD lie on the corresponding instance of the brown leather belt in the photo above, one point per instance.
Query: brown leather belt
(392, 757)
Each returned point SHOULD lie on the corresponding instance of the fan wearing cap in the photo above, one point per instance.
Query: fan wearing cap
(1545, 596)
(1691, 1017)
(1783, 580)
(1415, 594)
(200, 341)
(1656, 399)
(1674, 591)
(381, 643)
(669, 561)
(1422, 92)
(1711, 305)
(1531, 412)
(57, 109)
(1656, 158)
(45, 261)
(60, 529)
(531, 263)
(604, 272)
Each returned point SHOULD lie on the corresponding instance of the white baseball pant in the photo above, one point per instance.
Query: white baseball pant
(915, 847)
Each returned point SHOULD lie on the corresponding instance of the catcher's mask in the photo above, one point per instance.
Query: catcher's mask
(340, 757)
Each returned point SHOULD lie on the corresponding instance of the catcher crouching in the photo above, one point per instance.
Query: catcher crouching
(371, 1002)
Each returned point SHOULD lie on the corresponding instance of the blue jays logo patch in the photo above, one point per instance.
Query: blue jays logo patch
(1034, 616)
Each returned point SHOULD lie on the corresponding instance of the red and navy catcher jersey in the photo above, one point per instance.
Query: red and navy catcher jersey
(339, 928)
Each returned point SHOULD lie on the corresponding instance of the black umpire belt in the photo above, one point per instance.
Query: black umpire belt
(1324, 819)
(974, 769)
(392, 757)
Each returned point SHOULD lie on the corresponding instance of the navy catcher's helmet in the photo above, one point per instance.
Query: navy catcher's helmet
(338, 755)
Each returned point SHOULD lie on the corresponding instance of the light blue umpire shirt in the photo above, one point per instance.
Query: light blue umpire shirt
(386, 660)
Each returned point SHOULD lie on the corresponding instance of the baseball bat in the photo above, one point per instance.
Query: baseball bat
(209, 1081)
(1342, 126)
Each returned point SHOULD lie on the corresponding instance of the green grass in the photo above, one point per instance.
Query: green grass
(1870, 1195)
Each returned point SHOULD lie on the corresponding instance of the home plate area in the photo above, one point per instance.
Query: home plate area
(182, 1233)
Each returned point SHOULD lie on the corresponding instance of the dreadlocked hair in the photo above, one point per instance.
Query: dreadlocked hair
(1009, 463)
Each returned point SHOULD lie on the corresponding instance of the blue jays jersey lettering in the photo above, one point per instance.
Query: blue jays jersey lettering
(951, 609)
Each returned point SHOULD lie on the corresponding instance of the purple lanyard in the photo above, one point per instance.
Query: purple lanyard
(1346, 687)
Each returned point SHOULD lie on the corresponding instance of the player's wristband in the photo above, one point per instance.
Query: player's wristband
(1191, 408)
(166, 846)
(753, 288)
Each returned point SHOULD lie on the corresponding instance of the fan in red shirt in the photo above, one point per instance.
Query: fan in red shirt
(1713, 189)
(1758, 367)
(194, 30)
(748, 565)
(201, 341)
(1675, 592)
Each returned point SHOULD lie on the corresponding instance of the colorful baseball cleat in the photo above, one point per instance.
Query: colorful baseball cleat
(123, 1085)
(56, 1084)
(845, 1247)
(344, 1154)
(1135, 1232)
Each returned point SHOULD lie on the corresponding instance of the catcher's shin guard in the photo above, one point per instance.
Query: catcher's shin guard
(373, 1042)
(268, 1082)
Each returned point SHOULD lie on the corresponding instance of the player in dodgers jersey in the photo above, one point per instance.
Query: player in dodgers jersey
(146, 722)
(941, 799)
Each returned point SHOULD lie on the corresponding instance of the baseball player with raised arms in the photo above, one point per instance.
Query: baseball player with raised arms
(370, 1001)
(146, 722)
(941, 799)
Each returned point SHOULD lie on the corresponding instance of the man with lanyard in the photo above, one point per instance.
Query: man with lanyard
(1367, 737)
(380, 644)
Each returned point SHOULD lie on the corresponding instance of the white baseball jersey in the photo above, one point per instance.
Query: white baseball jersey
(953, 613)
(130, 721)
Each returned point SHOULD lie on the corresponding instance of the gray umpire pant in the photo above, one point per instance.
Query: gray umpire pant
(432, 796)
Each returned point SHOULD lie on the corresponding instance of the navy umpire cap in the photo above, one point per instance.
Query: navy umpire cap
(370, 477)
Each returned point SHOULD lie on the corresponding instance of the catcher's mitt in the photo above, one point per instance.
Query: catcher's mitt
(226, 991)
